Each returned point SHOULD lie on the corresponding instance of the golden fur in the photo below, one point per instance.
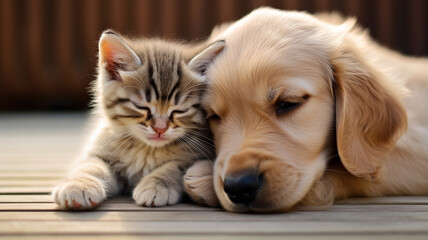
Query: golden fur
(361, 128)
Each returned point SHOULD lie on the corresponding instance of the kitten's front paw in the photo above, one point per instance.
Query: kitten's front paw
(155, 192)
(199, 185)
(83, 192)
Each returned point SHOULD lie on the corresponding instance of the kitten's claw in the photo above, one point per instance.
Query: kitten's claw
(93, 204)
(151, 192)
(83, 192)
(198, 183)
(76, 204)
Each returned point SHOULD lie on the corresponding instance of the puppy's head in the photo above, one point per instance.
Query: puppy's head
(281, 89)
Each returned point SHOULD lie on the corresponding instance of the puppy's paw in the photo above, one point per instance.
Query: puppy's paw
(198, 183)
(156, 192)
(83, 192)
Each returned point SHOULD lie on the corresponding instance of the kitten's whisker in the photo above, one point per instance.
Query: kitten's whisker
(184, 144)
(199, 134)
(127, 139)
(134, 87)
(186, 88)
(108, 139)
(139, 82)
(198, 128)
(143, 84)
(194, 88)
(188, 144)
(200, 147)
(126, 148)
(191, 80)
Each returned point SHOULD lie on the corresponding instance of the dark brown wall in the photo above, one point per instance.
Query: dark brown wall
(48, 47)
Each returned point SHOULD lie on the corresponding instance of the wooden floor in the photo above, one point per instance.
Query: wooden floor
(35, 151)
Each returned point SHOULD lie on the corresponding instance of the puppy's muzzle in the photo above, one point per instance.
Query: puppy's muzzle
(242, 188)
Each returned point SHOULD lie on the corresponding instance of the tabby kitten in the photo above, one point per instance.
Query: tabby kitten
(150, 126)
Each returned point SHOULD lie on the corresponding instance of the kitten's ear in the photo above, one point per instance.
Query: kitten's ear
(115, 55)
(200, 62)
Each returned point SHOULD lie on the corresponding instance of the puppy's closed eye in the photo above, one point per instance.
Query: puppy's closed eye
(213, 117)
(284, 106)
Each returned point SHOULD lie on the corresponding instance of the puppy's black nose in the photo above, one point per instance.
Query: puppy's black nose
(243, 188)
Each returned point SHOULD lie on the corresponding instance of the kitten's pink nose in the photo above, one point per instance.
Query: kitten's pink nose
(160, 125)
(160, 130)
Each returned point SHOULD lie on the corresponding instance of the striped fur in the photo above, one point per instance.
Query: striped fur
(140, 83)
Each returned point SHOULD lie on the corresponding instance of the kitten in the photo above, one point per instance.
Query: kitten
(150, 126)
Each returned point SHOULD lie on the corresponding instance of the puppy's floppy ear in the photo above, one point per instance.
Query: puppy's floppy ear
(200, 62)
(369, 116)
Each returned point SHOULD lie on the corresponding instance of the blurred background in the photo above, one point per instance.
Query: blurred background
(48, 47)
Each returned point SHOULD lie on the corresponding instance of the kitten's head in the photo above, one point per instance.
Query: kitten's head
(149, 89)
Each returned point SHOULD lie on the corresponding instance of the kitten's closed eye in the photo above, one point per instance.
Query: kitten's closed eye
(175, 112)
(149, 114)
(140, 107)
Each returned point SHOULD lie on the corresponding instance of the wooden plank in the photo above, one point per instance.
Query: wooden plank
(350, 201)
(48, 199)
(387, 23)
(33, 167)
(25, 198)
(418, 20)
(91, 29)
(35, 157)
(195, 227)
(106, 206)
(197, 12)
(64, 47)
(212, 216)
(133, 207)
(142, 15)
(28, 183)
(43, 146)
(227, 10)
(378, 208)
(8, 45)
(31, 178)
(25, 189)
(32, 175)
(41, 154)
(36, 32)
(171, 22)
(323, 5)
(38, 121)
(29, 171)
(385, 200)
(219, 236)
(117, 16)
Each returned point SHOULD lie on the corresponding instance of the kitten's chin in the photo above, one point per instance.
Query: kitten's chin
(157, 141)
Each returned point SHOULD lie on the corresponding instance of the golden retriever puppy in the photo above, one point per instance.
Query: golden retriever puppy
(306, 111)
